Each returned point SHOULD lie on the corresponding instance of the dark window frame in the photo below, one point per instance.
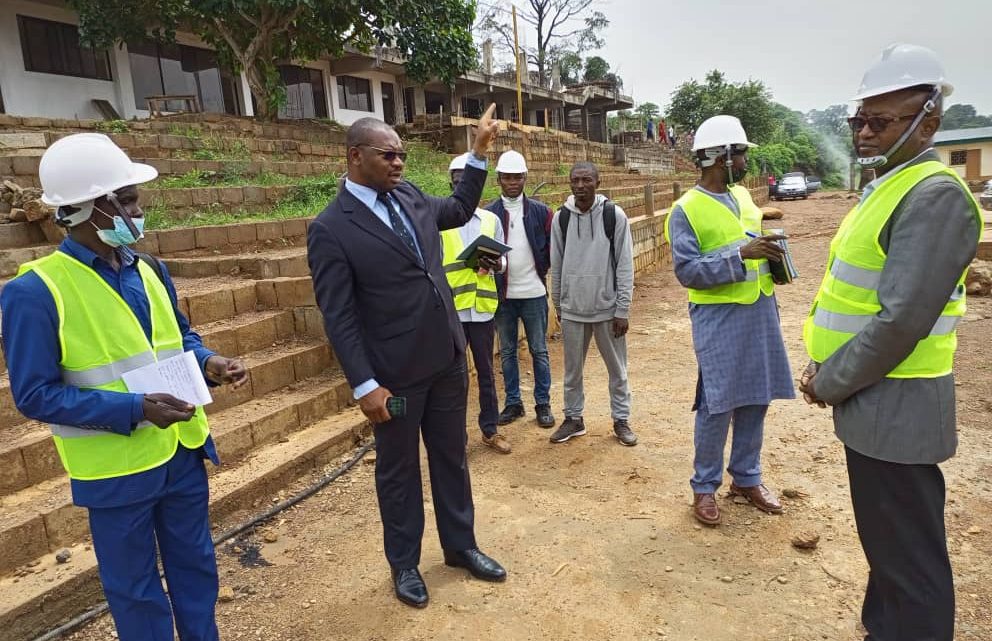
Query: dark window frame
(961, 154)
(342, 84)
(66, 36)
(297, 75)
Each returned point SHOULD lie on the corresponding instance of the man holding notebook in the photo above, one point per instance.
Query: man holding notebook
(473, 287)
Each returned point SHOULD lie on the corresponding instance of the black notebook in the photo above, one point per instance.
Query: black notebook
(482, 246)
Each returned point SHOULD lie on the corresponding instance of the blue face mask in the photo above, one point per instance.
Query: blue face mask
(121, 234)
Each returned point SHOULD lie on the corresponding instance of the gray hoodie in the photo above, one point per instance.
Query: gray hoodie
(582, 284)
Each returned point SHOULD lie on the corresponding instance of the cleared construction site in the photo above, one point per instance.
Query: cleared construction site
(641, 568)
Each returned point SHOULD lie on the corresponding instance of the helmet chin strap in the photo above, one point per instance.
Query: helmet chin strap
(874, 162)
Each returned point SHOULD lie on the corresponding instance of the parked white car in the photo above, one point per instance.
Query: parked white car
(986, 198)
(791, 186)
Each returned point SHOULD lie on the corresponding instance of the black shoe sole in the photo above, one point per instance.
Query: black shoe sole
(623, 442)
(572, 435)
(481, 577)
(505, 421)
(546, 424)
(413, 604)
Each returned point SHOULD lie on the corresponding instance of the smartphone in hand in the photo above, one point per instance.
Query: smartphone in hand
(396, 406)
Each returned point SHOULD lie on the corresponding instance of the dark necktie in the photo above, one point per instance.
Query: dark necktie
(399, 226)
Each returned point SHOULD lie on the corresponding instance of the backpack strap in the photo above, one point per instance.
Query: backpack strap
(564, 215)
(154, 263)
(610, 228)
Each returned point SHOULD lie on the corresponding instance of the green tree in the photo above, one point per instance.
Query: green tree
(831, 121)
(648, 110)
(963, 117)
(255, 35)
(596, 69)
(569, 64)
(571, 25)
(693, 102)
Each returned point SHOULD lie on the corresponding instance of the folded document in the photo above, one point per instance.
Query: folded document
(180, 376)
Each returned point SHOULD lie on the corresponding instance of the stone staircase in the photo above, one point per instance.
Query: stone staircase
(292, 418)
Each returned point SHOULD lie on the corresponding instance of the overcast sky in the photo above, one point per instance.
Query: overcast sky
(811, 54)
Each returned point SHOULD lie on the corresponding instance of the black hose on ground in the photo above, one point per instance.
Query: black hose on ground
(77, 622)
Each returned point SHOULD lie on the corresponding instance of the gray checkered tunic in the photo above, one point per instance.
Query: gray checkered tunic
(739, 348)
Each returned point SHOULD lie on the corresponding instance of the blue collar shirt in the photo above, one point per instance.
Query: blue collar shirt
(30, 331)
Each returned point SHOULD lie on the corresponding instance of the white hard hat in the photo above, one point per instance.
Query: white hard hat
(720, 131)
(83, 167)
(511, 162)
(902, 66)
(458, 162)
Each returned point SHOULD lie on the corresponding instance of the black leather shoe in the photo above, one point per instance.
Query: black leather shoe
(544, 416)
(510, 413)
(477, 563)
(410, 587)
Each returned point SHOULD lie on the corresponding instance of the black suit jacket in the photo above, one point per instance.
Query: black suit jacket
(387, 316)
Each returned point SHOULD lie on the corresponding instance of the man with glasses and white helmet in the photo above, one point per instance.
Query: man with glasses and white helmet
(74, 322)
(881, 336)
(721, 257)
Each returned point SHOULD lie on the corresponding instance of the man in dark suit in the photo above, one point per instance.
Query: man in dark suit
(375, 258)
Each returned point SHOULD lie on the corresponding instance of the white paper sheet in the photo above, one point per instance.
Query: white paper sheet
(179, 376)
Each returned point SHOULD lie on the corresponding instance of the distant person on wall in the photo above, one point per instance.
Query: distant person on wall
(74, 323)
(476, 299)
(721, 258)
(592, 285)
(662, 132)
(522, 292)
(650, 130)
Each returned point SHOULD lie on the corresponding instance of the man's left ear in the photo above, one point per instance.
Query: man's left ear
(929, 126)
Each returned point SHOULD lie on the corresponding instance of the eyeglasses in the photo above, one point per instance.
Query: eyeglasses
(388, 154)
(877, 124)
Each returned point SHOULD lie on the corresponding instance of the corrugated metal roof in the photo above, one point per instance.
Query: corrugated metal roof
(962, 135)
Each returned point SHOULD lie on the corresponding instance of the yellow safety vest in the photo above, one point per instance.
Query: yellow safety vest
(848, 296)
(467, 286)
(101, 339)
(718, 230)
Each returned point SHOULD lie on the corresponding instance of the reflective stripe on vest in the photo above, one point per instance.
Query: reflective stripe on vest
(468, 288)
(719, 231)
(847, 301)
(101, 339)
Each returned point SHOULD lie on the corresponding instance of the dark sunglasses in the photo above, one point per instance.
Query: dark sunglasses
(878, 124)
(388, 154)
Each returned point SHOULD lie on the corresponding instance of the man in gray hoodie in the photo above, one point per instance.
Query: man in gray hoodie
(592, 283)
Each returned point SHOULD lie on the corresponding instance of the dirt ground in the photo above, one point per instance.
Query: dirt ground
(598, 539)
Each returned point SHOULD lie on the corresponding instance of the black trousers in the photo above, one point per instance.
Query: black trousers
(481, 339)
(436, 409)
(899, 510)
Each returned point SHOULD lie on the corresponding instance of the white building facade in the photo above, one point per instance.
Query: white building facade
(44, 72)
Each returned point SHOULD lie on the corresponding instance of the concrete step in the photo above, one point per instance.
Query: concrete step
(270, 264)
(178, 202)
(274, 357)
(40, 518)
(17, 235)
(245, 168)
(200, 125)
(227, 239)
(985, 246)
(48, 593)
(12, 258)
